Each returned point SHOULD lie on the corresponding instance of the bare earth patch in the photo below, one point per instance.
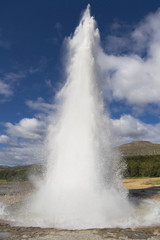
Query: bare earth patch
(139, 183)
(143, 187)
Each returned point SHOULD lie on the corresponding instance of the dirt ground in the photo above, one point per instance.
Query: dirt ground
(139, 183)
(141, 188)
(30, 233)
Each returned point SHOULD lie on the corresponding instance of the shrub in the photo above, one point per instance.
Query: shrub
(142, 166)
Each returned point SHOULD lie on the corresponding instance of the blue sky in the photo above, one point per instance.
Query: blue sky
(32, 50)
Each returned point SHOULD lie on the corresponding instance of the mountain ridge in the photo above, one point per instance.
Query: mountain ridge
(139, 148)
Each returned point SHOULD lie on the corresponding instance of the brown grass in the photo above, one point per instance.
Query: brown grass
(139, 183)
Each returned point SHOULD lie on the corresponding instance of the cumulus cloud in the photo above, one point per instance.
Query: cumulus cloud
(4, 139)
(24, 142)
(8, 141)
(131, 69)
(134, 77)
(22, 155)
(120, 39)
(128, 129)
(27, 128)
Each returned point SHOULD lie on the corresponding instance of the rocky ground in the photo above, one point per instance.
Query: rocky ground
(30, 233)
(16, 192)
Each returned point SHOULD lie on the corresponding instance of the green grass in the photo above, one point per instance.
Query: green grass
(153, 182)
(3, 181)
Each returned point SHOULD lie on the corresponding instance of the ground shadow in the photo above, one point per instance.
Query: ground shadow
(145, 192)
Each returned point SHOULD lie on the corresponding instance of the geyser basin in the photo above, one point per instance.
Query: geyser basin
(82, 187)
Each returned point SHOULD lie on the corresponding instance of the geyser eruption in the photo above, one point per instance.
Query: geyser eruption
(82, 188)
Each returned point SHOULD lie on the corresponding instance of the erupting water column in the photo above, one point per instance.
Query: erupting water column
(82, 187)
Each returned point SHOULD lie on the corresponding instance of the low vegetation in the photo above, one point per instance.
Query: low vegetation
(142, 160)
(137, 166)
(143, 166)
(140, 148)
(19, 173)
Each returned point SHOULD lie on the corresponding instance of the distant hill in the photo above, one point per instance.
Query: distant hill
(140, 148)
(20, 173)
(142, 159)
(4, 167)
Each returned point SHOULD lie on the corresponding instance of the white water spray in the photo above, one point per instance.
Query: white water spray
(82, 188)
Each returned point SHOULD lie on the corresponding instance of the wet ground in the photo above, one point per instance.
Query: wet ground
(29, 233)
(16, 192)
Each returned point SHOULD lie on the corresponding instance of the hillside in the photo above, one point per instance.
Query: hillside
(140, 148)
(20, 173)
(142, 159)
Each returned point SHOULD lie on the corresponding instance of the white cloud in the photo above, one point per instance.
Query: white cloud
(27, 128)
(22, 155)
(128, 129)
(4, 139)
(134, 78)
(58, 27)
(11, 76)
(120, 40)
(49, 83)
(24, 142)
(5, 89)
(40, 105)
(34, 70)
(7, 82)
